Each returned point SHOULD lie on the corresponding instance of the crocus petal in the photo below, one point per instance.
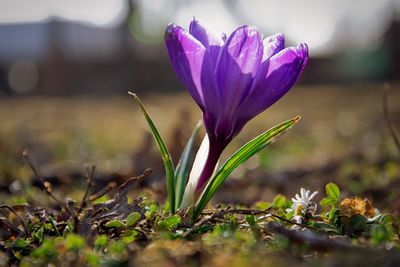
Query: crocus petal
(272, 45)
(237, 66)
(288, 64)
(283, 71)
(186, 54)
(210, 40)
(213, 43)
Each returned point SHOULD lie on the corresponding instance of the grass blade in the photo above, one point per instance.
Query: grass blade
(240, 156)
(181, 171)
(169, 166)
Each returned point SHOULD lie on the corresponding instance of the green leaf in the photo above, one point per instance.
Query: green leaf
(74, 242)
(328, 228)
(116, 248)
(250, 219)
(54, 226)
(289, 215)
(358, 222)
(20, 243)
(17, 255)
(327, 201)
(240, 156)
(129, 236)
(168, 165)
(262, 205)
(91, 259)
(333, 191)
(100, 242)
(46, 252)
(69, 228)
(279, 201)
(151, 211)
(171, 222)
(386, 219)
(38, 235)
(379, 234)
(133, 218)
(182, 169)
(333, 215)
(114, 224)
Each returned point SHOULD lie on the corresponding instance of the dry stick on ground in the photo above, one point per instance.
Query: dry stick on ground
(396, 140)
(122, 189)
(17, 215)
(130, 184)
(46, 185)
(89, 183)
(313, 240)
(102, 192)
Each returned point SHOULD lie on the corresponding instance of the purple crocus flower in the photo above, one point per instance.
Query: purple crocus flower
(231, 79)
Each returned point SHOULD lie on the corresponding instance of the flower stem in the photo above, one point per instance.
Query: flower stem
(212, 159)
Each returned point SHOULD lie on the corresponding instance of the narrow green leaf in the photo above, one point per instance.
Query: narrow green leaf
(332, 190)
(182, 169)
(54, 226)
(250, 219)
(326, 227)
(168, 165)
(240, 156)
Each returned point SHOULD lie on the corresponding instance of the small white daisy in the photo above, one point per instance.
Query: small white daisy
(302, 205)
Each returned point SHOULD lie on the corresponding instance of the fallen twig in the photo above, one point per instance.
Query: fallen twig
(89, 183)
(103, 191)
(129, 184)
(312, 239)
(16, 215)
(47, 186)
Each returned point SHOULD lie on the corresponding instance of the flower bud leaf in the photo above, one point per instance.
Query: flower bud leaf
(182, 169)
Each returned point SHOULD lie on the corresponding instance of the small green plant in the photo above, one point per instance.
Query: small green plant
(333, 195)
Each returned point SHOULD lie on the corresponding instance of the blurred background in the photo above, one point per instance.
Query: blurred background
(79, 47)
(66, 67)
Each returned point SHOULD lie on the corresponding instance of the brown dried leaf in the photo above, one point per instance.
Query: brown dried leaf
(355, 205)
